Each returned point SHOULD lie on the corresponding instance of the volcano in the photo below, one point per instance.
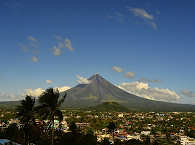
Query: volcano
(99, 91)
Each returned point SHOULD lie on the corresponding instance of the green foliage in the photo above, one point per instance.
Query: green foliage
(109, 107)
(111, 127)
(25, 110)
(191, 133)
(90, 131)
(73, 127)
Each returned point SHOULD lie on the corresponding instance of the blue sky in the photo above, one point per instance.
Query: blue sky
(58, 40)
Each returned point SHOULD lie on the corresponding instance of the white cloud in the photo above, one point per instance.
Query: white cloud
(48, 81)
(33, 41)
(64, 88)
(141, 13)
(31, 38)
(38, 91)
(35, 59)
(56, 51)
(31, 47)
(68, 44)
(82, 80)
(117, 69)
(144, 90)
(61, 43)
(188, 93)
(130, 75)
(59, 46)
(35, 93)
(31, 92)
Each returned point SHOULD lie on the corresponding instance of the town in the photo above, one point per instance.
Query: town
(164, 128)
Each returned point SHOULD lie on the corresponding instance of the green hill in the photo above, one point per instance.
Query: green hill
(109, 107)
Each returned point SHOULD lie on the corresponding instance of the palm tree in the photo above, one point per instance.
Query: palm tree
(50, 101)
(25, 113)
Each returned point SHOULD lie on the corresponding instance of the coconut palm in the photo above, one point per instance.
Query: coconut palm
(25, 113)
(49, 107)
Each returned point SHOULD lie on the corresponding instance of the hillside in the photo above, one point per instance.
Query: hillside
(109, 107)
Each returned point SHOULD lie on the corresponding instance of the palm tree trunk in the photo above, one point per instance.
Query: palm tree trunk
(25, 142)
(25, 135)
(113, 136)
(52, 133)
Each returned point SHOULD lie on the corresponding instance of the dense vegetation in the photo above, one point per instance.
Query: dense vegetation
(110, 107)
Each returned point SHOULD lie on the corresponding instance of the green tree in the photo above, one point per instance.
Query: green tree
(25, 113)
(111, 129)
(73, 127)
(50, 101)
(191, 133)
